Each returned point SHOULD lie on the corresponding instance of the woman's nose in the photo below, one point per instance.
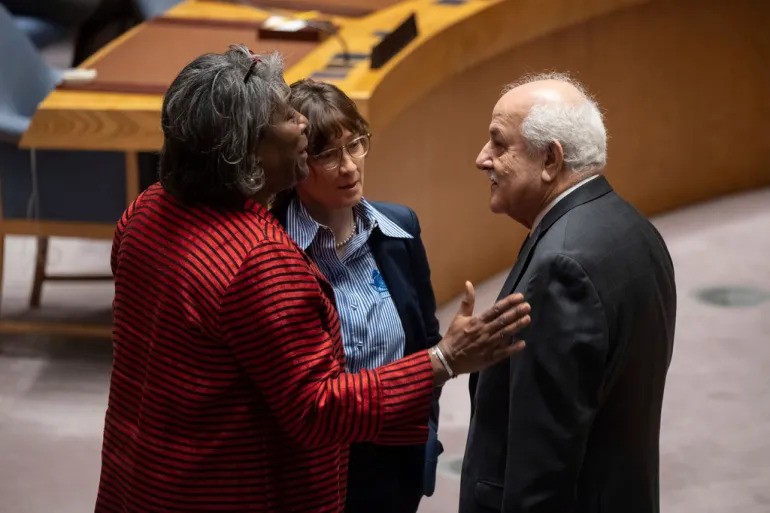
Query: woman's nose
(348, 165)
(302, 122)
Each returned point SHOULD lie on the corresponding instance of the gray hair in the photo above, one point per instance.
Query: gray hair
(214, 115)
(579, 128)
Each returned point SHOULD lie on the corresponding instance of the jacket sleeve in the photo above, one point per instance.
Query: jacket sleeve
(421, 273)
(421, 277)
(554, 388)
(274, 318)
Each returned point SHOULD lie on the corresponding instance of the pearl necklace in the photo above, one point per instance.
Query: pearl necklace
(340, 244)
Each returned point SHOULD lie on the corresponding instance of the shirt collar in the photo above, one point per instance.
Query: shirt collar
(375, 218)
(300, 225)
(557, 199)
(303, 228)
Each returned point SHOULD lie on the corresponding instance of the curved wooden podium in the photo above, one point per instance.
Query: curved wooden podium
(684, 84)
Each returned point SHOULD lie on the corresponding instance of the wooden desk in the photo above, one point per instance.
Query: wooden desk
(684, 84)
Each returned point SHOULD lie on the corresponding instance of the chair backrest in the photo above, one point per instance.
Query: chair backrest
(152, 8)
(25, 78)
(40, 31)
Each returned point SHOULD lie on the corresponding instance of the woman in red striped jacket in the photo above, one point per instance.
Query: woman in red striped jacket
(228, 391)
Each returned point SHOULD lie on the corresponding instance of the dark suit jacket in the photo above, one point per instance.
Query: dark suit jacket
(572, 423)
(391, 478)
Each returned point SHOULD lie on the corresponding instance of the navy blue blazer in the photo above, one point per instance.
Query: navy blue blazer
(404, 267)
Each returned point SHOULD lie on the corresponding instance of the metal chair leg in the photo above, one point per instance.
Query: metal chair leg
(2, 266)
(37, 282)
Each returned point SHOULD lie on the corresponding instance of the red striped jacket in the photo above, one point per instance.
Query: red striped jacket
(227, 390)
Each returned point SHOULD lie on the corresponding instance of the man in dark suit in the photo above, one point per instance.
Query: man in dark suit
(573, 423)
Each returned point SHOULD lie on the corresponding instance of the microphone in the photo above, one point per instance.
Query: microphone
(333, 30)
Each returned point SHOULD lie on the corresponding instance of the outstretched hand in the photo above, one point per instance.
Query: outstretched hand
(473, 343)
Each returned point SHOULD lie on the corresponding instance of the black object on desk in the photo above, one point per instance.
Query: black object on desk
(394, 42)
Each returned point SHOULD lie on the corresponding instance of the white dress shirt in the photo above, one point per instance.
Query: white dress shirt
(557, 199)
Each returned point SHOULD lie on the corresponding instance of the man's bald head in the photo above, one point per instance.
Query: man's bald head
(553, 107)
(550, 87)
(546, 135)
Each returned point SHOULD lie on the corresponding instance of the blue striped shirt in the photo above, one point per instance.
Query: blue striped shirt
(372, 333)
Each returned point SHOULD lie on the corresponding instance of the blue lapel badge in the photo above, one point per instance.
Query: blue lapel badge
(378, 282)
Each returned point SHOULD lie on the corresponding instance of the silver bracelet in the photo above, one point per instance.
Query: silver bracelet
(440, 355)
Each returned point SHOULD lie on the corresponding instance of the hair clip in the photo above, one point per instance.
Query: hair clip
(254, 61)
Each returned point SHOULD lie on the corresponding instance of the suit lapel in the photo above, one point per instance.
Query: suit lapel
(392, 259)
(583, 194)
(521, 263)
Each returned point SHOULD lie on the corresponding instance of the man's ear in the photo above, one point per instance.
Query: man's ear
(554, 161)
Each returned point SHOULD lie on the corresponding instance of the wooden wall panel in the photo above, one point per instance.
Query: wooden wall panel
(685, 86)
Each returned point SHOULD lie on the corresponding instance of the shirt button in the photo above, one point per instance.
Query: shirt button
(354, 306)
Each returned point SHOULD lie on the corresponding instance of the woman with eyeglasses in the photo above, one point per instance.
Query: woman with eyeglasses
(373, 256)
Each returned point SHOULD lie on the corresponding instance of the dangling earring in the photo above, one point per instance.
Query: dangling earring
(258, 172)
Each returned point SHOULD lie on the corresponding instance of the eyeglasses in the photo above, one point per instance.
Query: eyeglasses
(331, 159)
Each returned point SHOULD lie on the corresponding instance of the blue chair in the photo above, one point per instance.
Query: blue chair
(153, 8)
(41, 32)
(51, 193)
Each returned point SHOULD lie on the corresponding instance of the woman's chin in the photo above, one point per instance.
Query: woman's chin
(348, 201)
(355, 195)
(302, 171)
